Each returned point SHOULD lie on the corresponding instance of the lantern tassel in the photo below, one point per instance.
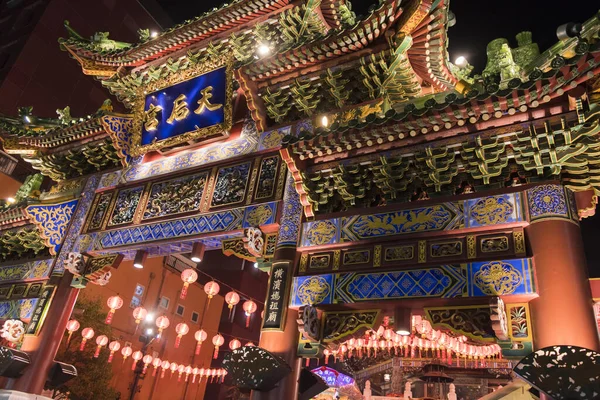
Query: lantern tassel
(177, 341)
(82, 344)
(216, 354)
(184, 291)
(109, 317)
(110, 357)
(198, 346)
(97, 353)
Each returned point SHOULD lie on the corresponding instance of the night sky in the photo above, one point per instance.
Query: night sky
(477, 23)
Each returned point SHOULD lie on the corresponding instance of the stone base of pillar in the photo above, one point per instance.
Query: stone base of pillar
(14, 395)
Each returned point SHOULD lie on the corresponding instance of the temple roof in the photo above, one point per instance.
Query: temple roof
(67, 147)
(303, 38)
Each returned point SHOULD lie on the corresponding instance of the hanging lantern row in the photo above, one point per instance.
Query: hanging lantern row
(431, 343)
(182, 329)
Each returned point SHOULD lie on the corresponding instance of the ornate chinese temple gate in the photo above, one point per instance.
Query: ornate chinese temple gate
(400, 205)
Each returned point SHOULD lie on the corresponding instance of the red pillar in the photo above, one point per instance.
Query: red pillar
(283, 344)
(42, 348)
(563, 312)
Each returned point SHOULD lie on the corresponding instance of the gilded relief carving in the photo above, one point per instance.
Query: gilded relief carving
(446, 249)
(230, 185)
(175, 196)
(100, 211)
(267, 177)
(495, 244)
(357, 257)
(319, 262)
(125, 206)
(399, 253)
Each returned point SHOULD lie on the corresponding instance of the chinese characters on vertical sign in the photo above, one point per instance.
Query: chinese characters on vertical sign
(197, 107)
(277, 297)
(37, 319)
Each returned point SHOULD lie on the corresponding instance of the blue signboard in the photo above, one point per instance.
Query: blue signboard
(197, 108)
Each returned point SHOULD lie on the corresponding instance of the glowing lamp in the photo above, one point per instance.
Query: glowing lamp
(200, 374)
(461, 62)
(162, 323)
(114, 303)
(86, 334)
(181, 329)
(72, 326)
(197, 252)
(263, 50)
(234, 344)
(126, 352)
(165, 366)
(188, 276)
(101, 341)
(156, 364)
(140, 259)
(250, 344)
(324, 121)
(188, 371)
(194, 374)
(147, 360)
(137, 356)
(113, 346)
(223, 373)
(231, 298)
(200, 337)
(249, 308)
(217, 340)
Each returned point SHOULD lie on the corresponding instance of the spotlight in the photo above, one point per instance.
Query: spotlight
(149, 331)
(387, 377)
(140, 259)
(153, 34)
(27, 119)
(197, 252)
(149, 317)
(263, 50)
(461, 62)
(10, 200)
(402, 322)
(255, 265)
(324, 121)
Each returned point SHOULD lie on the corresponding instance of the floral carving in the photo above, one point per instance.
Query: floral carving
(498, 278)
(313, 290)
(125, 206)
(230, 187)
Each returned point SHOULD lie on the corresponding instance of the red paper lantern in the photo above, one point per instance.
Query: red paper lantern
(180, 370)
(137, 356)
(200, 374)
(173, 368)
(250, 344)
(223, 373)
(114, 303)
(113, 346)
(234, 344)
(126, 352)
(162, 323)
(188, 276)
(217, 340)
(165, 366)
(101, 341)
(87, 334)
(188, 371)
(194, 374)
(231, 298)
(211, 289)
(139, 313)
(146, 360)
(200, 337)
(156, 364)
(181, 329)
(72, 326)
(249, 307)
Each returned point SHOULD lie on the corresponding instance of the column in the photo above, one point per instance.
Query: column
(281, 338)
(562, 314)
(43, 348)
